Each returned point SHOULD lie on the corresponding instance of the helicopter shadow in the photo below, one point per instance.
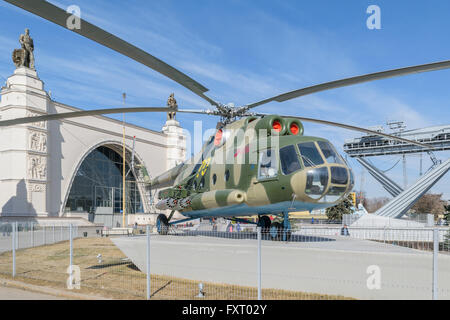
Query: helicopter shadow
(248, 235)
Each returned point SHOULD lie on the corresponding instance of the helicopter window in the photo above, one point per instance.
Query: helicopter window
(202, 183)
(316, 182)
(310, 154)
(189, 185)
(227, 175)
(268, 164)
(339, 175)
(334, 194)
(214, 179)
(330, 154)
(197, 166)
(289, 160)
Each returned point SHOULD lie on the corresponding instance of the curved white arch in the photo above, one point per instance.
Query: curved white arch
(80, 160)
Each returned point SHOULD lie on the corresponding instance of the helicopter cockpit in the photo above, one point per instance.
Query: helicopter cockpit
(328, 177)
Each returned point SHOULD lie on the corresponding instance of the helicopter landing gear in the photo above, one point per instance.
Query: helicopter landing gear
(162, 224)
(286, 232)
(281, 231)
(275, 231)
(264, 222)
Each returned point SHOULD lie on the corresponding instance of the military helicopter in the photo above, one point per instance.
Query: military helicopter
(255, 164)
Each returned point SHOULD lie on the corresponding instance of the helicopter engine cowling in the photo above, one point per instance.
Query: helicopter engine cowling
(275, 125)
(294, 127)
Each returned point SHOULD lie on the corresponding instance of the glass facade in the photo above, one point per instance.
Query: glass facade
(97, 187)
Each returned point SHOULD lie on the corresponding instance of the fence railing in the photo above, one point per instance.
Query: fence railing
(309, 262)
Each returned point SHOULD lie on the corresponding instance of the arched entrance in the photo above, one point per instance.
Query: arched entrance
(97, 191)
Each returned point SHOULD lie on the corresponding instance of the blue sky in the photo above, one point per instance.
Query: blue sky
(245, 51)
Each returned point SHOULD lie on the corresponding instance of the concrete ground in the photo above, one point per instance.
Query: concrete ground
(335, 265)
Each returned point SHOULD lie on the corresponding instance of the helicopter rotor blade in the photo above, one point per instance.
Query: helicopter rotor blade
(352, 81)
(354, 128)
(196, 111)
(78, 114)
(60, 17)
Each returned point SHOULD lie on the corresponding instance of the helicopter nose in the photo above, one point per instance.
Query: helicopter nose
(326, 184)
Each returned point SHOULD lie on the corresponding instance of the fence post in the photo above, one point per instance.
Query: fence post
(71, 246)
(32, 234)
(148, 262)
(435, 262)
(17, 236)
(14, 227)
(259, 263)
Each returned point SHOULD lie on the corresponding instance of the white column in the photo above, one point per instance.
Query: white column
(176, 143)
(23, 148)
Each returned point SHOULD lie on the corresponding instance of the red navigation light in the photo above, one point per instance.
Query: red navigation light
(218, 138)
(276, 125)
(294, 128)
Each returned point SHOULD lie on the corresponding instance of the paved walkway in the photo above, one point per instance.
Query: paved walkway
(17, 290)
(339, 266)
(7, 293)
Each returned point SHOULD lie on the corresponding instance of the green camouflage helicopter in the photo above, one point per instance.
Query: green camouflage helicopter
(255, 164)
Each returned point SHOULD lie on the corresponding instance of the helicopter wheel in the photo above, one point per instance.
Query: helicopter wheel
(264, 222)
(276, 231)
(162, 224)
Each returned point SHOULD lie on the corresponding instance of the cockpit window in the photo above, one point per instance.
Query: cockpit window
(330, 154)
(316, 182)
(268, 164)
(339, 175)
(334, 194)
(289, 160)
(310, 155)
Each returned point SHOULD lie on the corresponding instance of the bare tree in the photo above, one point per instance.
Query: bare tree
(373, 204)
(430, 203)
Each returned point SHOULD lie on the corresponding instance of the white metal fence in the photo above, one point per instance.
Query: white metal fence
(316, 262)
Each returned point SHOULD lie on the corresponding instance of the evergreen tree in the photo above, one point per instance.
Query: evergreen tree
(344, 207)
(447, 213)
(446, 244)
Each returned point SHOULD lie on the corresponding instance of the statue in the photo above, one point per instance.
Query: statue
(24, 57)
(34, 141)
(172, 104)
